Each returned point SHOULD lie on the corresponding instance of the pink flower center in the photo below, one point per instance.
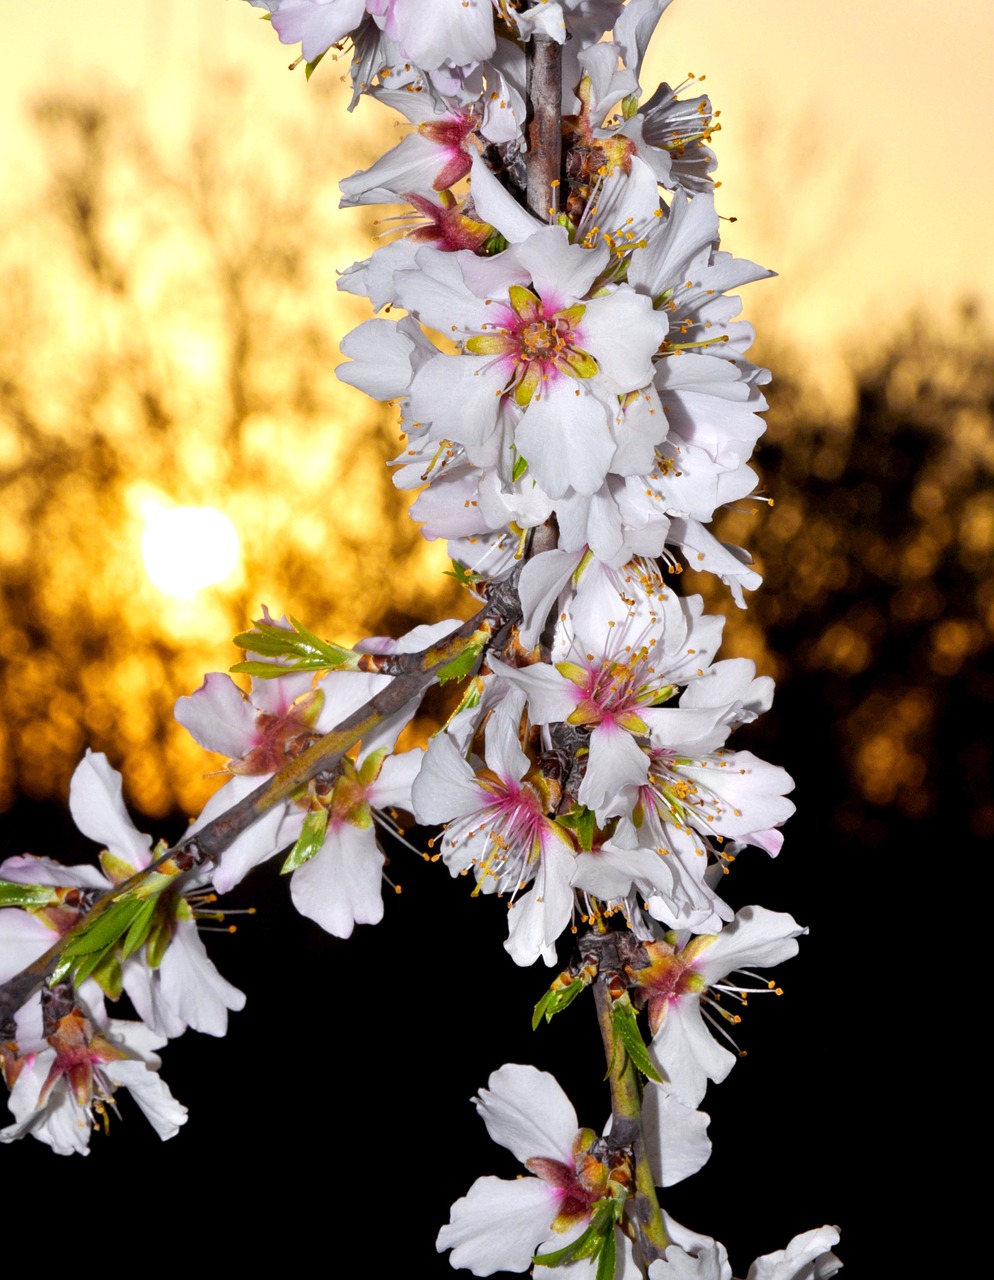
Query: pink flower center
(537, 343)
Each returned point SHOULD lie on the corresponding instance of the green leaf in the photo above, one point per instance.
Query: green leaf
(626, 1030)
(89, 965)
(309, 841)
(299, 649)
(26, 895)
(139, 928)
(159, 937)
(556, 1000)
(107, 975)
(608, 1259)
(104, 929)
(585, 1246)
(465, 577)
(462, 666)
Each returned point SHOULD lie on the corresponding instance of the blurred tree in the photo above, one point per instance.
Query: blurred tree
(169, 329)
(877, 612)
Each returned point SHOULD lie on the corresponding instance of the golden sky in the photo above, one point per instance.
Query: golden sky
(855, 151)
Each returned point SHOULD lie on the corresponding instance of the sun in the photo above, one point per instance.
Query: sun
(185, 549)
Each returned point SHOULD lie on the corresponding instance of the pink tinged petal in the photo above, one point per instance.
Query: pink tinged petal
(561, 272)
(436, 32)
(341, 886)
(417, 164)
(550, 696)
(676, 1136)
(97, 806)
(26, 868)
(61, 1123)
(526, 1111)
(23, 939)
(218, 716)
(316, 24)
(498, 1225)
(770, 840)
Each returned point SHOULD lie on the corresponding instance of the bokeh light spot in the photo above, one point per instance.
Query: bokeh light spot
(185, 549)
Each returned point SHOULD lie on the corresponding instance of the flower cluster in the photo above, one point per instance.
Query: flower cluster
(572, 379)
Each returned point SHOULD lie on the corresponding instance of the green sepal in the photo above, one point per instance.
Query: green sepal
(462, 666)
(608, 1259)
(555, 1001)
(520, 467)
(630, 106)
(309, 841)
(584, 1246)
(625, 1026)
(27, 895)
(301, 649)
(311, 67)
(583, 822)
(139, 928)
(462, 575)
(597, 1240)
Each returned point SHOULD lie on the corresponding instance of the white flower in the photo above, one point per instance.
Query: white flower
(64, 1080)
(501, 1225)
(341, 885)
(533, 336)
(677, 981)
(497, 826)
(185, 989)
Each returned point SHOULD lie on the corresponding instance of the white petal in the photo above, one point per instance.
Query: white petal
(498, 1225)
(675, 1134)
(341, 886)
(526, 1111)
(97, 807)
(218, 716)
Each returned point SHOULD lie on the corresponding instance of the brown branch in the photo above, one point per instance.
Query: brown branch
(323, 757)
(544, 129)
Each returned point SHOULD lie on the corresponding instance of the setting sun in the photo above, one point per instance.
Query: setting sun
(185, 549)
